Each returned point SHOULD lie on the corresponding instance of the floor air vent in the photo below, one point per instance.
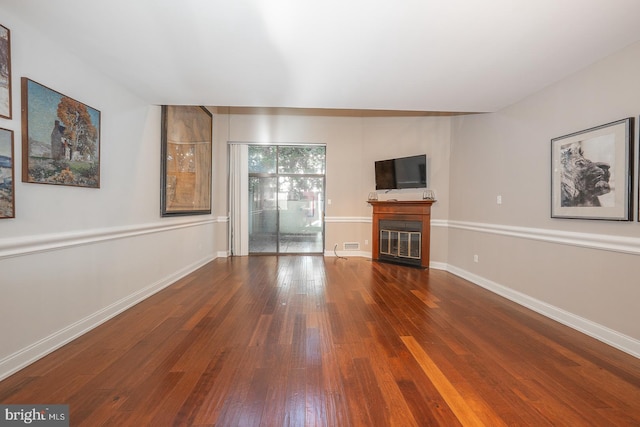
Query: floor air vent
(351, 246)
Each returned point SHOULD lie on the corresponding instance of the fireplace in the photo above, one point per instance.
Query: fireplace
(401, 232)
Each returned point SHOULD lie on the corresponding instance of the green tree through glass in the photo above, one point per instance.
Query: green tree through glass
(293, 160)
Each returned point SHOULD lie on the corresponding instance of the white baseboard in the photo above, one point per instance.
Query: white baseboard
(347, 254)
(438, 265)
(595, 330)
(18, 360)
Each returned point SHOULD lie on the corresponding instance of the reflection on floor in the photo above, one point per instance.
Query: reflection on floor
(307, 243)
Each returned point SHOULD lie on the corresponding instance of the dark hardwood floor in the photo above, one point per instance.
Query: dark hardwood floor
(309, 341)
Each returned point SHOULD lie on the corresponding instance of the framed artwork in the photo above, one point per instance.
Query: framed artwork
(60, 138)
(187, 138)
(5, 72)
(591, 173)
(7, 201)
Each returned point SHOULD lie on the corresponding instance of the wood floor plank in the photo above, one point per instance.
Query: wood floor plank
(313, 341)
(459, 404)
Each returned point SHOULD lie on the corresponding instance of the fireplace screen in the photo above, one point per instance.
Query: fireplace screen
(401, 244)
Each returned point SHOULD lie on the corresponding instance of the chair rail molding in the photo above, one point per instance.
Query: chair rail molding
(605, 242)
(13, 247)
(348, 219)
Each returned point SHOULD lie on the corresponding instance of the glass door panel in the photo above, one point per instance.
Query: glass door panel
(286, 198)
(301, 214)
(263, 214)
(263, 159)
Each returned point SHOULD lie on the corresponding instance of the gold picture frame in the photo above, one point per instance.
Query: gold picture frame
(187, 139)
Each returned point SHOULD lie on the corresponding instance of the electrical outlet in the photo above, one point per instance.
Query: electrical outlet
(366, 242)
(476, 258)
(499, 200)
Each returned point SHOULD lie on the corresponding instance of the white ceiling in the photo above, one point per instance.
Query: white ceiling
(416, 55)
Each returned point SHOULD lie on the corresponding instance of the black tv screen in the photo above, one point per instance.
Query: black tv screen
(404, 172)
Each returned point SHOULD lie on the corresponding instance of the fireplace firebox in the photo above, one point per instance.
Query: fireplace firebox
(400, 241)
(401, 232)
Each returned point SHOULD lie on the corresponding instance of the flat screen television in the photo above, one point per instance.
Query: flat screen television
(403, 172)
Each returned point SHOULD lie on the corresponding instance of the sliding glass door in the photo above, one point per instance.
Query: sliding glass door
(286, 198)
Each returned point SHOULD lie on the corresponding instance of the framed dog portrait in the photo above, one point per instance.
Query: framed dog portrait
(591, 173)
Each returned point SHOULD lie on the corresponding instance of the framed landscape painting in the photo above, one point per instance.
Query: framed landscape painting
(60, 138)
(7, 201)
(591, 173)
(5, 72)
(187, 138)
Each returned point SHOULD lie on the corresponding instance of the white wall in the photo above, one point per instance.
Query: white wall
(353, 144)
(581, 272)
(73, 256)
